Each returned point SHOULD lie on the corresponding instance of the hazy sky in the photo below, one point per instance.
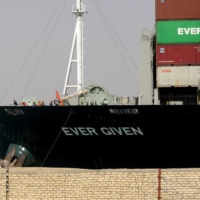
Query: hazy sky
(37, 70)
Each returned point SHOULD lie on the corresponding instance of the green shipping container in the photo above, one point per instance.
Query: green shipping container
(178, 32)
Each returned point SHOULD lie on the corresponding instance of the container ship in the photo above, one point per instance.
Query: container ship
(94, 129)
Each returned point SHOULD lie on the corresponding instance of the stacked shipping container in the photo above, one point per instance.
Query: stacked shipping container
(177, 42)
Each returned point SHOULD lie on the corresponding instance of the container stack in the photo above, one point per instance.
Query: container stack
(177, 43)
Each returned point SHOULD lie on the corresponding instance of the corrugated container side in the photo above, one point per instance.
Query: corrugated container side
(178, 54)
(180, 76)
(177, 9)
(178, 32)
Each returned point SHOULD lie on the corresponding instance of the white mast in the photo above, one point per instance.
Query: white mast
(78, 10)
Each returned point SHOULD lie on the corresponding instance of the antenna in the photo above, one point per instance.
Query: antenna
(78, 10)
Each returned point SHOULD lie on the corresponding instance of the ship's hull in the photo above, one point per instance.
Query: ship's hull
(105, 136)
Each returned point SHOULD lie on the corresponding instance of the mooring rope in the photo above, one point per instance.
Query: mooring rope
(55, 141)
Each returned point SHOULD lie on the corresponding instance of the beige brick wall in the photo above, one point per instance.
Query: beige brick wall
(182, 184)
(2, 184)
(77, 184)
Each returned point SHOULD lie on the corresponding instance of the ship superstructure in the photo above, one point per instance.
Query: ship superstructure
(170, 57)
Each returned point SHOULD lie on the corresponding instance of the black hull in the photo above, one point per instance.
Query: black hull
(105, 136)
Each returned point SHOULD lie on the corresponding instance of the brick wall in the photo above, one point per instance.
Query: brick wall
(47, 183)
(182, 184)
(2, 183)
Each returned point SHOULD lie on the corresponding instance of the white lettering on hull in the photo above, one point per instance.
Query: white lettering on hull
(123, 111)
(108, 131)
